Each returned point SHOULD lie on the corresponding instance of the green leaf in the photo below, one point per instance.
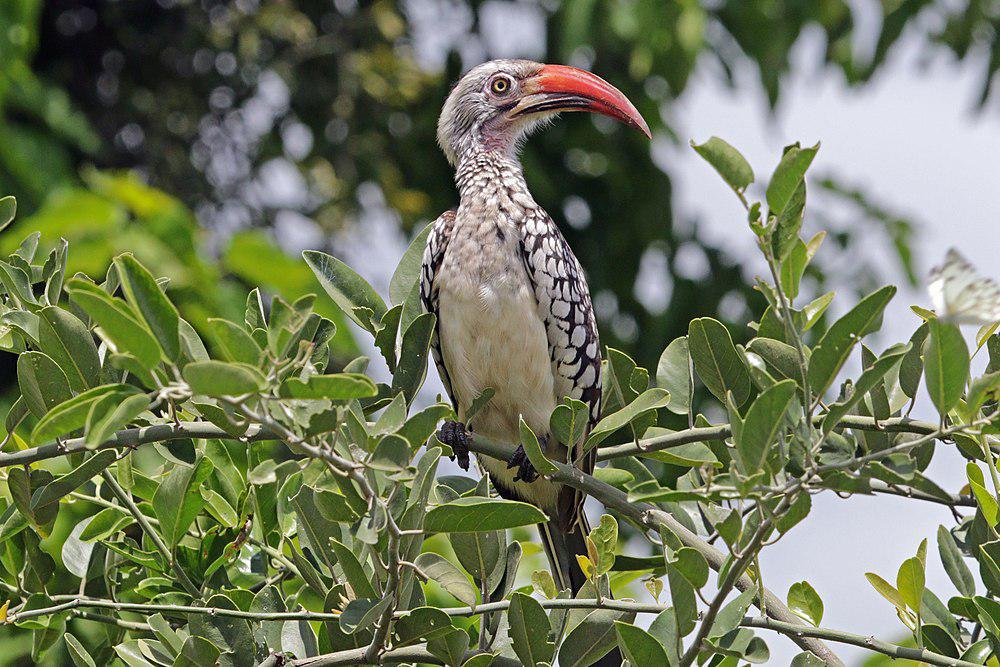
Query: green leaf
(763, 422)
(981, 390)
(422, 624)
(886, 590)
(731, 615)
(359, 614)
(604, 537)
(351, 292)
(335, 387)
(805, 602)
(42, 383)
(219, 508)
(569, 421)
(388, 334)
(728, 161)
(479, 553)
(741, 644)
(651, 399)
(794, 264)
(77, 653)
(989, 614)
(196, 652)
(106, 523)
(542, 581)
(75, 552)
(640, 647)
(691, 565)
(946, 364)
(529, 630)
(787, 176)
(836, 344)
(221, 378)
(63, 337)
(117, 320)
(716, 360)
(334, 506)
(477, 514)
(868, 381)
(786, 245)
(987, 502)
(353, 570)
(590, 640)
(177, 500)
(72, 414)
(664, 629)
(413, 353)
(815, 309)
(234, 342)
(534, 451)
(420, 426)
(408, 270)
(912, 367)
(910, 582)
(798, 511)
(142, 291)
(228, 633)
(314, 530)
(8, 209)
(954, 563)
(18, 285)
(673, 373)
(63, 485)
(111, 414)
(447, 574)
(613, 476)
(452, 646)
(807, 659)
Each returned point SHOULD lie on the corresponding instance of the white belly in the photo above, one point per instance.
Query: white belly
(492, 337)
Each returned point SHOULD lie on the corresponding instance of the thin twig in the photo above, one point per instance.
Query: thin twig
(126, 499)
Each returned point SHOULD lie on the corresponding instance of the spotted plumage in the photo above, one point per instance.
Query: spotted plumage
(513, 308)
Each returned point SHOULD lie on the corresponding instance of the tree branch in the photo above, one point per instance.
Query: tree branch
(793, 630)
(419, 653)
(723, 431)
(647, 515)
(136, 437)
(154, 536)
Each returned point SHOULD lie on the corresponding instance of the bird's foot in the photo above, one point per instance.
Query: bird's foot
(525, 471)
(456, 435)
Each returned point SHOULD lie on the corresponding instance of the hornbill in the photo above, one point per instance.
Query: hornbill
(512, 303)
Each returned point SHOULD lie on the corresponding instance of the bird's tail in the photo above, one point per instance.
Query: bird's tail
(562, 545)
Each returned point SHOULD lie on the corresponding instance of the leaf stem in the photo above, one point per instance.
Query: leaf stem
(126, 499)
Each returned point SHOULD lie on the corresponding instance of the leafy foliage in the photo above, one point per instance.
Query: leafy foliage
(238, 490)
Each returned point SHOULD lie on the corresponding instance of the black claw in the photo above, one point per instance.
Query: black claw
(525, 471)
(455, 435)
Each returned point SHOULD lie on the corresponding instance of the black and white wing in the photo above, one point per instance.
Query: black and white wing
(437, 243)
(564, 304)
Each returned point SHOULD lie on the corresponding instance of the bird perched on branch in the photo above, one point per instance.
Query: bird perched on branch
(512, 303)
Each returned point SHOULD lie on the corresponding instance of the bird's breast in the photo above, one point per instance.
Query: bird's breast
(492, 336)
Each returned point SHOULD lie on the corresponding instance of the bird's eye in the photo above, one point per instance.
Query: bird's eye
(500, 85)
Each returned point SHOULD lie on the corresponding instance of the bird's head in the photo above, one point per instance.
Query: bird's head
(497, 103)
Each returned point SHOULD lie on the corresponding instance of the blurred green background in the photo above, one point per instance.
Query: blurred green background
(282, 124)
(217, 139)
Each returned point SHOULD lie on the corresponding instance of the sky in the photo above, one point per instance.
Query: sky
(914, 140)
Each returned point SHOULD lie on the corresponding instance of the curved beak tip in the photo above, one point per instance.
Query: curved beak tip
(585, 91)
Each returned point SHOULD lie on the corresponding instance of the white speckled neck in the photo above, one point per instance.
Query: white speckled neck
(483, 173)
